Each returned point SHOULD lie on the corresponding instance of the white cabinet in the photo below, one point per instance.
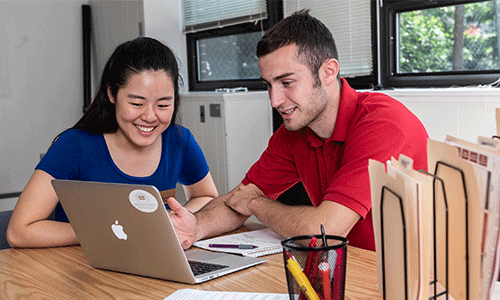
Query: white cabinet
(232, 129)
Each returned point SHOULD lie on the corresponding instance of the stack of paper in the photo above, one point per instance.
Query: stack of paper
(485, 159)
(441, 225)
(398, 207)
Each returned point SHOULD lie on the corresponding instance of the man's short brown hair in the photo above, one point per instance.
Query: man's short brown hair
(314, 40)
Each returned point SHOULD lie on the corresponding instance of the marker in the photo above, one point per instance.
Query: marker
(294, 268)
(310, 258)
(237, 246)
(324, 275)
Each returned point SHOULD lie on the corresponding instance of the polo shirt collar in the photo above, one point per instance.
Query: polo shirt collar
(347, 108)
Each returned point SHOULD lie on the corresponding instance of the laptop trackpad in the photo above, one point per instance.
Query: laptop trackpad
(201, 255)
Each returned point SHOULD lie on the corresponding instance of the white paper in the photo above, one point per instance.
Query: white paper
(190, 294)
(496, 294)
(487, 169)
(412, 211)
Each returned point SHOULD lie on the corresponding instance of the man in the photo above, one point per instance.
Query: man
(329, 133)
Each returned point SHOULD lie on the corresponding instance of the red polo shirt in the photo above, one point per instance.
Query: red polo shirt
(368, 126)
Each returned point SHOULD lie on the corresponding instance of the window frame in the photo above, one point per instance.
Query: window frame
(275, 14)
(388, 51)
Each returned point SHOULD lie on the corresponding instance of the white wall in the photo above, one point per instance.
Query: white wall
(113, 23)
(164, 21)
(465, 113)
(40, 83)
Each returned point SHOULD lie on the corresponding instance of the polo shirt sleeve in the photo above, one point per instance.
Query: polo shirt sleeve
(275, 171)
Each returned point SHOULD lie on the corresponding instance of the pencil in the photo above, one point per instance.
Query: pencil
(294, 268)
(309, 266)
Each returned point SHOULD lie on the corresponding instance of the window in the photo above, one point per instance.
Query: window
(224, 58)
(221, 55)
(228, 57)
(439, 43)
(350, 25)
(221, 41)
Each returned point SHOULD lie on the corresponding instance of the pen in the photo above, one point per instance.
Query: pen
(323, 236)
(237, 246)
(294, 268)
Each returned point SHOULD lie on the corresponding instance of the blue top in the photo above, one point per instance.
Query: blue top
(80, 155)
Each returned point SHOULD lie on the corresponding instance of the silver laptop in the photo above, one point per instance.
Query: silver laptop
(126, 228)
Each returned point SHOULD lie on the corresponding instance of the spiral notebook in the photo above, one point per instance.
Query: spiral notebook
(266, 240)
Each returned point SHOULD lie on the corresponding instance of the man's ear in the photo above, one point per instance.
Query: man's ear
(110, 96)
(329, 71)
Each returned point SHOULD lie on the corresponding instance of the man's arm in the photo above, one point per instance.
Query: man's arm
(213, 219)
(217, 218)
(289, 220)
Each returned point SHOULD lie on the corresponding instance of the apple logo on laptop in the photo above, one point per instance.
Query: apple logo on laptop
(118, 231)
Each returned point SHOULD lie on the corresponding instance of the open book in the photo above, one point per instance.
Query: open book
(266, 240)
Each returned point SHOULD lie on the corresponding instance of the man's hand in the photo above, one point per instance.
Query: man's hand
(242, 197)
(184, 223)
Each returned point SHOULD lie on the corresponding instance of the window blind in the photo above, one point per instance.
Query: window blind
(209, 14)
(350, 24)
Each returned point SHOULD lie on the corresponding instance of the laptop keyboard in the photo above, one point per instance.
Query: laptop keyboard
(204, 267)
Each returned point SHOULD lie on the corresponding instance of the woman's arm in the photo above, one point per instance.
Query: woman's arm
(28, 226)
(200, 193)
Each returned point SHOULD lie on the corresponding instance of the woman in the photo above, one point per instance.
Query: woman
(128, 135)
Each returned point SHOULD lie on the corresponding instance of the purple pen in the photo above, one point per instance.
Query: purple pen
(238, 246)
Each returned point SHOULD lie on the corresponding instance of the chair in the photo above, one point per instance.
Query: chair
(4, 221)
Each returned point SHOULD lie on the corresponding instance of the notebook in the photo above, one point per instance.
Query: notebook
(266, 241)
(126, 228)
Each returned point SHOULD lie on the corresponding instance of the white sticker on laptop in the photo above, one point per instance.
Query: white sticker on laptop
(143, 201)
